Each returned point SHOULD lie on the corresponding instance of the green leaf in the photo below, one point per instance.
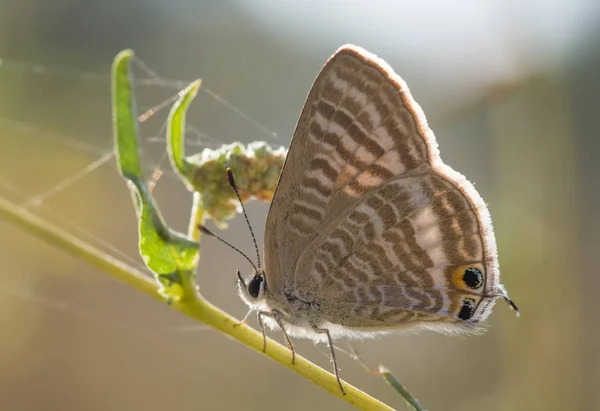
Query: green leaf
(400, 389)
(176, 132)
(170, 255)
(124, 118)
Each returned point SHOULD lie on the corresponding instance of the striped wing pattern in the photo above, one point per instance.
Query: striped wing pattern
(367, 221)
(394, 257)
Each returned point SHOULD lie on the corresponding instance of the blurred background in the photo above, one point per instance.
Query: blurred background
(511, 90)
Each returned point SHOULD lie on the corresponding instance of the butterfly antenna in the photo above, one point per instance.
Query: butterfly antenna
(206, 231)
(231, 181)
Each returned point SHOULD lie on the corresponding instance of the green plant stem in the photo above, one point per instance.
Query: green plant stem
(196, 218)
(199, 309)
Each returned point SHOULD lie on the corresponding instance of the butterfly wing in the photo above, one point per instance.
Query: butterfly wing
(363, 182)
(411, 251)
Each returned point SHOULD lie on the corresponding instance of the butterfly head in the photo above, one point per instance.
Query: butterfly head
(252, 290)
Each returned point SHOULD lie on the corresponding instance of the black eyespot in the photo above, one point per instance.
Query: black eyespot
(467, 310)
(254, 286)
(473, 278)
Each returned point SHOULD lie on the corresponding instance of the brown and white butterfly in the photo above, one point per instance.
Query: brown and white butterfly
(369, 231)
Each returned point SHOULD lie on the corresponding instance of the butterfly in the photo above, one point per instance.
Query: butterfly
(369, 232)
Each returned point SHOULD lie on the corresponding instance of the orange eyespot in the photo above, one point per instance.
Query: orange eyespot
(468, 277)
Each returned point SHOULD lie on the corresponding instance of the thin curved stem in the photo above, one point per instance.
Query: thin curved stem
(199, 308)
(196, 218)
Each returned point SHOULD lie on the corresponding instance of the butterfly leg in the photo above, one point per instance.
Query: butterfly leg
(245, 319)
(332, 351)
(278, 317)
(262, 328)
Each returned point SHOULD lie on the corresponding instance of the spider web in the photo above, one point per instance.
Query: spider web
(92, 159)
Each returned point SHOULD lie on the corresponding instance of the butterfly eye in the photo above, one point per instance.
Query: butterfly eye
(256, 286)
(467, 310)
(473, 278)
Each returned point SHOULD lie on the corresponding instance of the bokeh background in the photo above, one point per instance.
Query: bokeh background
(511, 90)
